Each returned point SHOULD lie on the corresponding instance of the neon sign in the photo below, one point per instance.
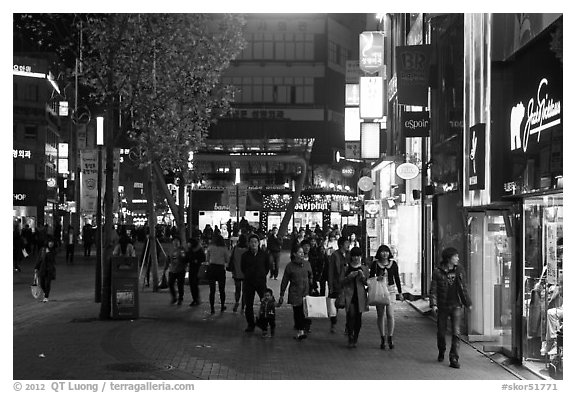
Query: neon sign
(539, 115)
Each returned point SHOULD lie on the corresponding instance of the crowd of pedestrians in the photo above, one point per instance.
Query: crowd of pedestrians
(321, 264)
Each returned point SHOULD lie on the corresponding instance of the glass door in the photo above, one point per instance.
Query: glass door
(489, 246)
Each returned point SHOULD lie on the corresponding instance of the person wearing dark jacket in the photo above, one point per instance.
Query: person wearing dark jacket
(298, 274)
(255, 266)
(267, 314)
(448, 296)
(194, 256)
(337, 264)
(353, 279)
(385, 267)
(177, 271)
(274, 245)
(46, 268)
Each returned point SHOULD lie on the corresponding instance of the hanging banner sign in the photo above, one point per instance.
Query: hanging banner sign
(88, 181)
(415, 124)
(477, 156)
(372, 51)
(413, 65)
(372, 95)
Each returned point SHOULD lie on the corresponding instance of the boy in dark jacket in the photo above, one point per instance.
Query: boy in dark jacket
(267, 314)
(448, 296)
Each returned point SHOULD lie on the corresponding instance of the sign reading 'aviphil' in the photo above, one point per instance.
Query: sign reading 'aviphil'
(540, 113)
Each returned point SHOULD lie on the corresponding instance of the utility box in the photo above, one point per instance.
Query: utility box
(125, 302)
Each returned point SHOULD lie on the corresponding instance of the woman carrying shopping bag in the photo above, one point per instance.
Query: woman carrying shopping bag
(298, 273)
(385, 268)
(353, 279)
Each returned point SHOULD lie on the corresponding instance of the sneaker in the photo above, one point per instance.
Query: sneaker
(45, 300)
(173, 301)
(265, 335)
(222, 308)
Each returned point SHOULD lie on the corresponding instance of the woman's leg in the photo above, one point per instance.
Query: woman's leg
(171, 282)
(212, 295)
(180, 283)
(380, 314)
(357, 325)
(221, 288)
(237, 290)
(390, 320)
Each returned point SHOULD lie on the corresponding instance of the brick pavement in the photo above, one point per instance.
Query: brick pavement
(188, 343)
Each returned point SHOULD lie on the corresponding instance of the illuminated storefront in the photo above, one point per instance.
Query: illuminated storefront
(513, 187)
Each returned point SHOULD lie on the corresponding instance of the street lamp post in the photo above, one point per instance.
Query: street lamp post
(98, 278)
(237, 183)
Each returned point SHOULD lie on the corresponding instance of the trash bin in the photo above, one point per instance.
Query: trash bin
(125, 304)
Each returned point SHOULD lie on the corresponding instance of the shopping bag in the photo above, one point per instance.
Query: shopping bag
(203, 278)
(378, 294)
(315, 307)
(331, 306)
(163, 282)
(35, 288)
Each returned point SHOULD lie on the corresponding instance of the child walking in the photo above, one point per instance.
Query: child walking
(267, 314)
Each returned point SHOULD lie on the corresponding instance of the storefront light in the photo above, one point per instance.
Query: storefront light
(331, 185)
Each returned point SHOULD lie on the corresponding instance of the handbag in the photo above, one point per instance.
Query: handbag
(315, 307)
(203, 278)
(378, 294)
(35, 288)
(331, 307)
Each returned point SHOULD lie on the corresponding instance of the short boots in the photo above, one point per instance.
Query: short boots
(390, 343)
(382, 342)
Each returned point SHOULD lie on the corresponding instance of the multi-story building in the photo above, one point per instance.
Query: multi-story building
(36, 136)
(291, 85)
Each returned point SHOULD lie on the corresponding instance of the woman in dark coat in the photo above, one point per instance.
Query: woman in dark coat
(385, 267)
(46, 269)
(298, 273)
(353, 280)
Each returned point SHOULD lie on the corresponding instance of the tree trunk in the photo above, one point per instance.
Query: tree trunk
(177, 212)
(283, 230)
(152, 249)
(181, 210)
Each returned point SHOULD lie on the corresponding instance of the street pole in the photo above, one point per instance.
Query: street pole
(237, 207)
(98, 274)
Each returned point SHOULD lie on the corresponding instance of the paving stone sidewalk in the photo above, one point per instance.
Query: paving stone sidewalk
(64, 340)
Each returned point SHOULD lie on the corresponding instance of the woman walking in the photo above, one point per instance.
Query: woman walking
(46, 269)
(218, 257)
(298, 273)
(235, 264)
(385, 267)
(353, 280)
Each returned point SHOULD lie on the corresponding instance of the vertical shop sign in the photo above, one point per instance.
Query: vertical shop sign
(551, 253)
(372, 95)
(372, 51)
(413, 65)
(477, 156)
(88, 181)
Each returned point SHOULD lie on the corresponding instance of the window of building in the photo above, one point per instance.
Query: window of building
(332, 52)
(29, 171)
(31, 93)
(279, 46)
(30, 133)
(281, 90)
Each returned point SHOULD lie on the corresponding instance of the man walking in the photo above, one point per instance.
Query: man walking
(274, 246)
(255, 265)
(337, 264)
(448, 296)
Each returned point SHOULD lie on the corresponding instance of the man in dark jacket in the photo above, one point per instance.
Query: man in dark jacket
(337, 264)
(255, 265)
(274, 245)
(194, 256)
(448, 296)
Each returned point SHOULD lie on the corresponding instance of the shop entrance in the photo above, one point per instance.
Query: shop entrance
(490, 245)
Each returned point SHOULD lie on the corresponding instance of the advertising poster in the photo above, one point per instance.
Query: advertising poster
(413, 67)
(88, 181)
